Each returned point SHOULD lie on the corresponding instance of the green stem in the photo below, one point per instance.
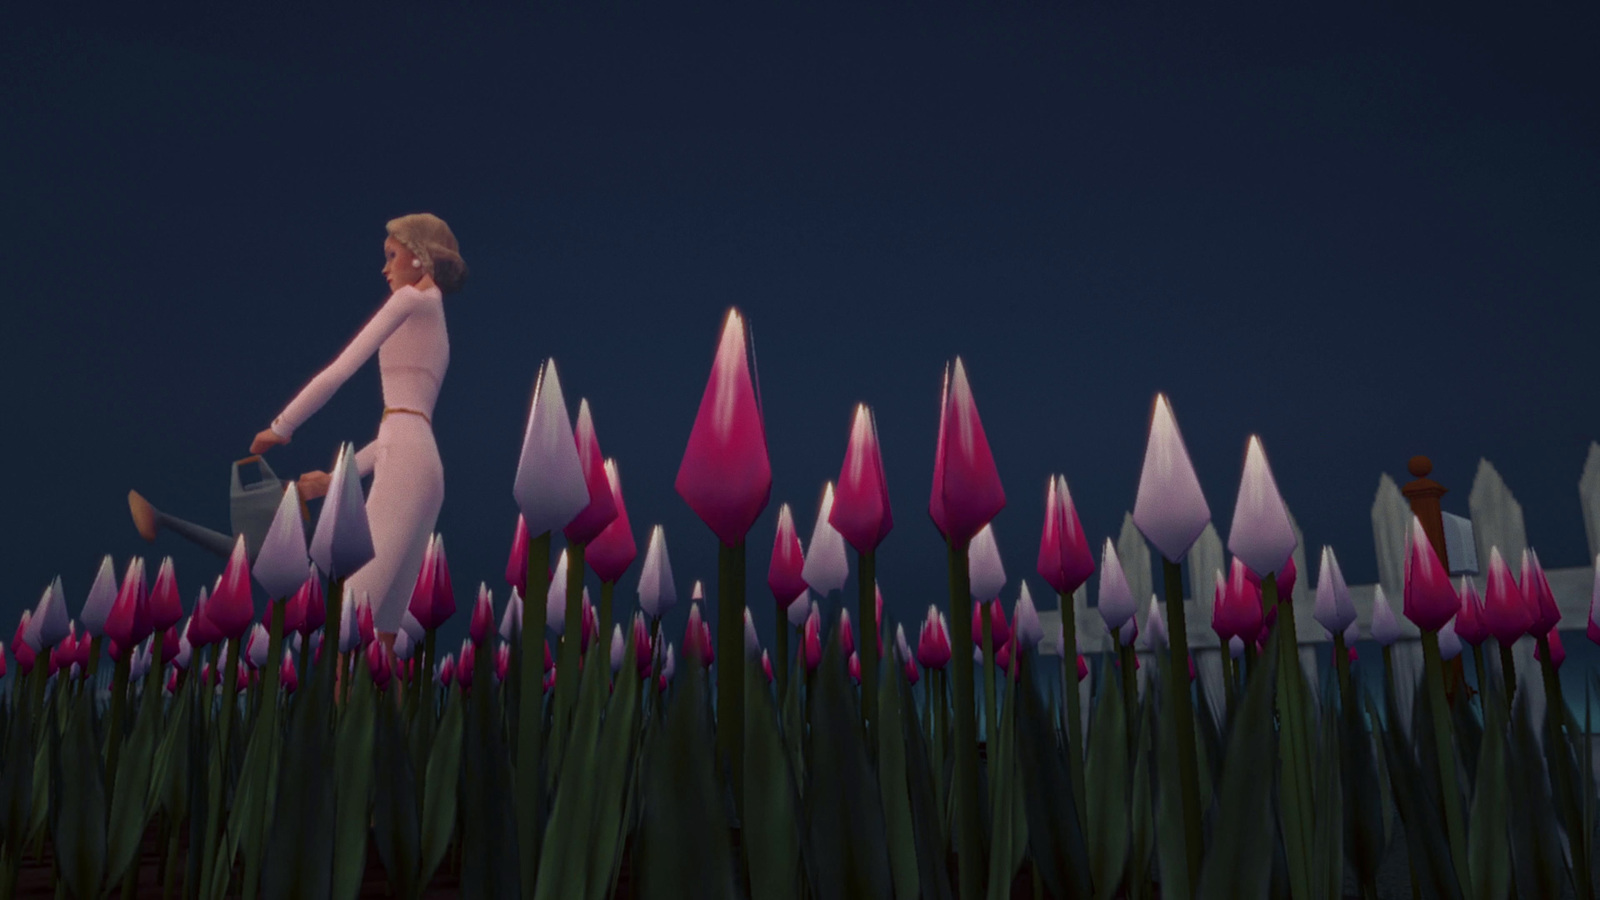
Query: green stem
(530, 715)
(781, 652)
(230, 703)
(1556, 707)
(119, 702)
(1181, 709)
(268, 724)
(866, 583)
(1483, 685)
(1228, 674)
(1444, 737)
(1130, 690)
(1341, 664)
(730, 666)
(567, 656)
(968, 828)
(1295, 739)
(1508, 671)
(603, 633)
(1074, 703)
(991, 707)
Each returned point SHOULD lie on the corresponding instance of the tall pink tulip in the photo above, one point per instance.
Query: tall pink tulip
(1536, 594)
(1504, 612)
(425, 594)
(1064, 558)
(966, 491)
(612, 551)
(482, 616)
(861, 502)
(788, 560)
(726, 476)
(1430, 599)
(231, 607)
(1470, 626)
(517, 563)
(129, 623)
(601, 509)
(166, 609)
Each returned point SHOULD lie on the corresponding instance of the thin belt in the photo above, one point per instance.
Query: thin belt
(414, 412)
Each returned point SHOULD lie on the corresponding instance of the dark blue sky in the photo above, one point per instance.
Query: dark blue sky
(1362, 237)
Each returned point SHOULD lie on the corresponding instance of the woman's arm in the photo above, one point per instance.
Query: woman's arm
(372, 335)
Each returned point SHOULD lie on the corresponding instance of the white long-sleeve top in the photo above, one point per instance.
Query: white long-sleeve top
(408, 334)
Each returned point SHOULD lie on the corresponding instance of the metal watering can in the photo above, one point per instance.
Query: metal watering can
(253, 497)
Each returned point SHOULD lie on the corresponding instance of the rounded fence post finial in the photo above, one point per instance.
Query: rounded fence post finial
(1420, 466)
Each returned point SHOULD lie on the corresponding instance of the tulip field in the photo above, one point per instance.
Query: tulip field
(266, 742)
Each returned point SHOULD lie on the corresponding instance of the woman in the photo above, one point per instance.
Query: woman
(422, 263)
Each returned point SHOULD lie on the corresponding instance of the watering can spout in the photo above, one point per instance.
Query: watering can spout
(253, 503)
(149, 520)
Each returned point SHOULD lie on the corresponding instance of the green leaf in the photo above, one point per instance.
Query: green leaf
(1327, 856)
(129, 811)
(489, 829)
(771, 832)
(1009, 842)
(1488, 850)
(684, 846)
(1363, 798)
(615, 779)
(1054, 836)
(78, 799)
(1239, 864)
(925, 817)
(844, 814)
(1107, 779)
(1538, 864)
(439, 794)
(1141, 818)
(395, 830)
(352, 788)
(1417, 806)
(794, 726)
(16, 780)
(563, 864)
(1296, 806)
(299, 848)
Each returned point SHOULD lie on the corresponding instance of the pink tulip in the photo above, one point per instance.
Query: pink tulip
(590, 625)
(517, 563)
(1287, 577)
(1558, 653)
(202, 631)
(602, 507)
(287, 675)
(169, 647)
(966, 491)
(443, 602)
(378, 665)
(1083, 667)
(1470, 626)
(482, 616)
(1241, 608)
(788, 561)
(447, 670)
(1170, 509)
(1430, 598)
(172, 681)
(1537, 595)
(726, 476)
(502, 662)
(999, 628)
(308, 608)
(766, 666)
(1504, 612)
(231, 607)
(854, 667)
(129, 623)
(549, 661)
(165, 608)
(364, 622)
(19, 648)
(1064, 558)
(697, 638)
(933, 643)
(613, 550)
(847, 634)
(467, 667)
(861, 501)
(812, 640)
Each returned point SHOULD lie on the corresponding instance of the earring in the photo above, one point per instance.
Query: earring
(416, 263)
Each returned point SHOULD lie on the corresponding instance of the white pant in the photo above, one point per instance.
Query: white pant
(402, 509)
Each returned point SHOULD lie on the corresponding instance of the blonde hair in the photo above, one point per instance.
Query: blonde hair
(433, 244)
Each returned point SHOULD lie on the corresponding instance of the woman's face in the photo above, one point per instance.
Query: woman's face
(399, 265)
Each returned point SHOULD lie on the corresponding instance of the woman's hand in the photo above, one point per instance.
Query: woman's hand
(265, 440)
(313, 485)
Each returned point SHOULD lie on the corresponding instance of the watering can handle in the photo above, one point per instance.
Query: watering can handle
(267, 473)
